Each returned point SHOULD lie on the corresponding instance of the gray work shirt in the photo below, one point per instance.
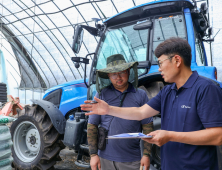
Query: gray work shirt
(121, 150)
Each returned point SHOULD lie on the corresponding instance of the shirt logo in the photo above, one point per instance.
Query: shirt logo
(186, 107)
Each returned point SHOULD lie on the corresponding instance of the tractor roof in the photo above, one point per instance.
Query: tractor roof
(148, 9)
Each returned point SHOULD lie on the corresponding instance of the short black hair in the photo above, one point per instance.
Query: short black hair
(175, 46)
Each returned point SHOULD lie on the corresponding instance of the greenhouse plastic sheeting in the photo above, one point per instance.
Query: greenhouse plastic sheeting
(40, 33)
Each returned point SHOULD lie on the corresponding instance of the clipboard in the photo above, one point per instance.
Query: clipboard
(129, 136)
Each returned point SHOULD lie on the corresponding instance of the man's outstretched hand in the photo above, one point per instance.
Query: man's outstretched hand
(100, 108)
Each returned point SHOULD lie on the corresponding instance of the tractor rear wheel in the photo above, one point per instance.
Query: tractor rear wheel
(36, 143)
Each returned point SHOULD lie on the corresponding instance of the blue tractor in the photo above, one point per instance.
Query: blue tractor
(38, 133)
(44, 128)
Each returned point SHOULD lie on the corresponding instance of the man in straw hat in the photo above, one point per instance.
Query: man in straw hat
(191, 111)
(113, 87)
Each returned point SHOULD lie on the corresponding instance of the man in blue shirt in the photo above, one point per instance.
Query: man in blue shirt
(119, 154)
(191, 112)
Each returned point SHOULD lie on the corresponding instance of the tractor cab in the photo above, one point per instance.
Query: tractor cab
(136, 32)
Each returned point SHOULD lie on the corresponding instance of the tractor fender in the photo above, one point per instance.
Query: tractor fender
(56, 116)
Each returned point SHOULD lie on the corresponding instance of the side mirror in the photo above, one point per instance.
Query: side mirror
(77, 39)
(143, 25)
(144, 64)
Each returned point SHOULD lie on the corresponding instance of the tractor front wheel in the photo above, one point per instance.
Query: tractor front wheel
(36, 142)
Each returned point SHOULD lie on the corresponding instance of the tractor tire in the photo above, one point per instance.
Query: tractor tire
(152, 89)
(3, 93)
(3, 89)
(2, 85)
(36, 143)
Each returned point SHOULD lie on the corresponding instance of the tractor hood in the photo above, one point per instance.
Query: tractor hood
(60, 86)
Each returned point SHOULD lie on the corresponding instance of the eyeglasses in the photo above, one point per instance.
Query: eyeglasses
(158, 62)
(115, 75)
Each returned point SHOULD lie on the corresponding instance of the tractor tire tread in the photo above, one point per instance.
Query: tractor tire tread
(50, 141)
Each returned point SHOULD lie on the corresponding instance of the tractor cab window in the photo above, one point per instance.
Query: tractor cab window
(132, 44)
(200, 59)
(165, 28)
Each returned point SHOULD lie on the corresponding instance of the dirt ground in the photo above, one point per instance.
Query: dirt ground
(68, 161)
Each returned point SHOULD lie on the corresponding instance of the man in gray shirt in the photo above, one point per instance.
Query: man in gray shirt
(119, 154)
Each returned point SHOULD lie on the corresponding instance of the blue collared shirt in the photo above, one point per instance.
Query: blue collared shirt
(121, 150)
(195, 106)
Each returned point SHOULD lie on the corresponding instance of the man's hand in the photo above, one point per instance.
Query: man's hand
(95, 162)
(145, 162)
(160, 137)
(100, 108)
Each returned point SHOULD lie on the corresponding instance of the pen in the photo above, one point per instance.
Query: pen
(93, 102)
